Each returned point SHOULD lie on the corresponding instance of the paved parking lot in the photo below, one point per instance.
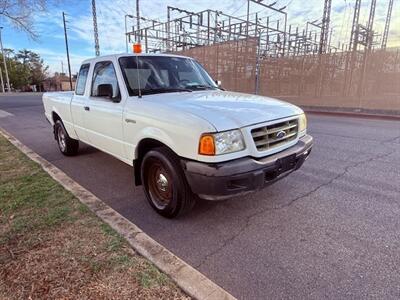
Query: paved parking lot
(329, 230)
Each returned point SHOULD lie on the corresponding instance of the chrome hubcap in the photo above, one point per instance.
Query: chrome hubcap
(162, 182)
(159, 184)
(61, 139)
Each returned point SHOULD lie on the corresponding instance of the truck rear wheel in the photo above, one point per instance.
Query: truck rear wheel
(165, 184)
(67, 145)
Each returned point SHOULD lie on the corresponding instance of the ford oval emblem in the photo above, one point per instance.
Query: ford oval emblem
(281, 134)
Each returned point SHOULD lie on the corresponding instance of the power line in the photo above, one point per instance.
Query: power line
(347, 27)
(239, 8)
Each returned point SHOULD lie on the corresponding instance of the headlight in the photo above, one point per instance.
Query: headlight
(302, 123)
(221, 142)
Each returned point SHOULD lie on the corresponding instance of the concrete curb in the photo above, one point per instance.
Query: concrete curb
(186, 277)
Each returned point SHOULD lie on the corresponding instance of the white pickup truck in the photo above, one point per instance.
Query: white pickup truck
(185, 136)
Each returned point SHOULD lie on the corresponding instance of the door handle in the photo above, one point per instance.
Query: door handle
(87, 108)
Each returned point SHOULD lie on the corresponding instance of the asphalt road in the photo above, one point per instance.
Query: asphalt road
(329, 230)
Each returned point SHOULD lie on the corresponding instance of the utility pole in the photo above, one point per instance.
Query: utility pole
(387, 24)
(95, 30)
(138, 19)
(66, 46)
(5, 64)
(126, 31)
(168, 29)
(248, 17)
(2, 82)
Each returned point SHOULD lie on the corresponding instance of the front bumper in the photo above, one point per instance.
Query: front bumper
(218, 181)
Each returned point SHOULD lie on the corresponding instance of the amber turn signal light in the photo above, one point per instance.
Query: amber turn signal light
(206, 145)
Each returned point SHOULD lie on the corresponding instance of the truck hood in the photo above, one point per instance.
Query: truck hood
(229, 110)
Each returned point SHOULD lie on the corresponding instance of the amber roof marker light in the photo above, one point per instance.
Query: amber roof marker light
(137, 48)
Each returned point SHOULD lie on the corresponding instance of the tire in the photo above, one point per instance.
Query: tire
(67, 146)
(165, 184)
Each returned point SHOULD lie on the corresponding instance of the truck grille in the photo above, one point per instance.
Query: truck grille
(275, 135)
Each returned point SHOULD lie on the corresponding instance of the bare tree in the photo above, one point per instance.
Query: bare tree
(21, 13)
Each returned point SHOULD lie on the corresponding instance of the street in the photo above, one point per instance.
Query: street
(329, 230)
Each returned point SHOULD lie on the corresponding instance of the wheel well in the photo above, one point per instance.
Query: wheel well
(56, 117)
(144, 146)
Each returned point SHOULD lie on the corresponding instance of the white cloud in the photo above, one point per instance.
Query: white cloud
(53, 60)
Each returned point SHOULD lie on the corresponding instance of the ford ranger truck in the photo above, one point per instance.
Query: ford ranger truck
(186, 137)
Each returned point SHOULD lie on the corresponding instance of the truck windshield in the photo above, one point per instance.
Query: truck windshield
(163, 74)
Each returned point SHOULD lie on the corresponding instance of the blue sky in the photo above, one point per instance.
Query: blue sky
(51, 44)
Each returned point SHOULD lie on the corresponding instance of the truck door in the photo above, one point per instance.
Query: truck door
(78, 103)
(104, 111)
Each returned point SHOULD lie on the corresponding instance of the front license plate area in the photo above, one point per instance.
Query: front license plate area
(287, 163)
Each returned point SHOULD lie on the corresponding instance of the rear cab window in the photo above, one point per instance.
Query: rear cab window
(82, 78)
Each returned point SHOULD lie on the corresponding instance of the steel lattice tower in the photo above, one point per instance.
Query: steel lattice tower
(350, 61)
(387, 24)
(325, 27)
(370, 32)
(96, 33)
(369, 38)
(356, 18)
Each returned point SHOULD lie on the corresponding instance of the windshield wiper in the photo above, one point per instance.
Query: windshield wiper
(201, 87)
(164, 90)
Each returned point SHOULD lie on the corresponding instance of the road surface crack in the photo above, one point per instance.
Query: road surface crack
(392, 140)
(249, 218)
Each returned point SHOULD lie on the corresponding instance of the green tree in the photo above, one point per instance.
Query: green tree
(18, 73)
(35, 64)
(25, 68)
(24, 56)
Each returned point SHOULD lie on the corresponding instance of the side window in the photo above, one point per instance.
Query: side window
(105, 82)
(82, 77)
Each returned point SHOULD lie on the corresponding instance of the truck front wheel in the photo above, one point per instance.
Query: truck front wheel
(67, 145)
(165, 184)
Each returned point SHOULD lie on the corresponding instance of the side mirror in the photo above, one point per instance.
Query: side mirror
(105, 90)
(219, 83)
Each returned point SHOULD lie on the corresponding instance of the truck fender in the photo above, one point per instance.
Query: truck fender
(154, 134)
(148, 139)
